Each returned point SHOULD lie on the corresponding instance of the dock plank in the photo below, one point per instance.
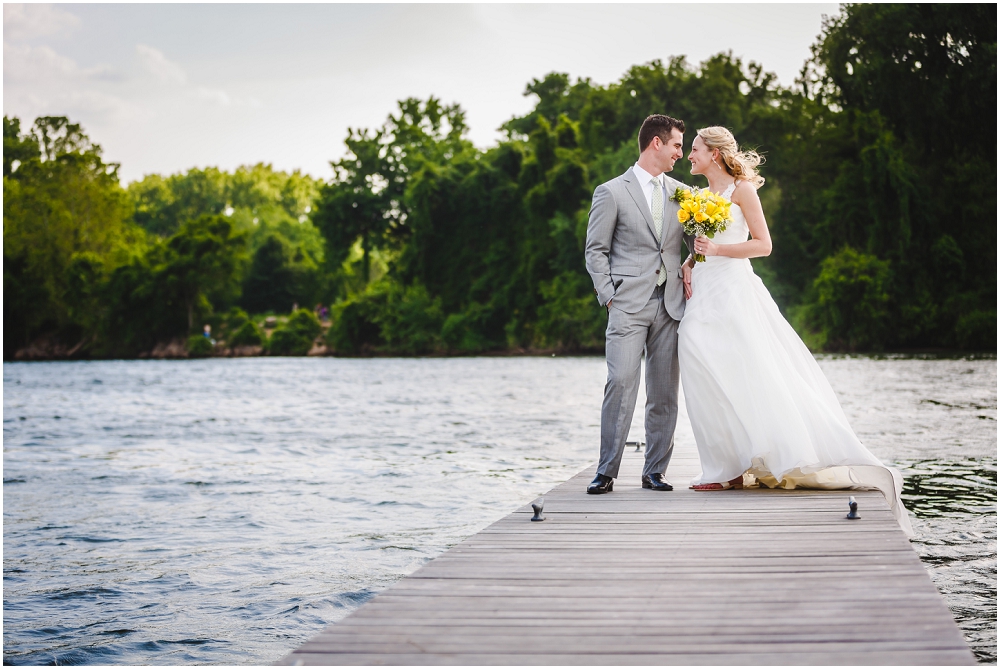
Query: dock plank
(747, 577)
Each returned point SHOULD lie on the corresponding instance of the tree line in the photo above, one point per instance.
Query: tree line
(880, 195)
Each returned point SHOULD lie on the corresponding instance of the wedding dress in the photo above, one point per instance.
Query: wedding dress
(758, 402)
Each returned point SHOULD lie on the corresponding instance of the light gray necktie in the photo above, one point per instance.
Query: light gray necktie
(658, 223)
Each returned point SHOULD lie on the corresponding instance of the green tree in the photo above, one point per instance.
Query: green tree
(851, 304)
(880, 197)
(556, 97)
(366, 199)
(903, 167)
(279, 276)
(570, 319)
(296, 336)
(161, 295)
(62, 204)
(247, 334)
(163, 204)
(467, 225)
(202, 262)
(18, 147)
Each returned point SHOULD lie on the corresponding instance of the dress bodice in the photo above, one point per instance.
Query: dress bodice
(737, 230)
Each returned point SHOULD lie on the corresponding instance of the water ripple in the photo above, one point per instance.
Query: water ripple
(223, 511)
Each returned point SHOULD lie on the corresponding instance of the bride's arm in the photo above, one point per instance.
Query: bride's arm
(745, 196)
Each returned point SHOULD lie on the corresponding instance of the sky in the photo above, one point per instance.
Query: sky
(167, 87)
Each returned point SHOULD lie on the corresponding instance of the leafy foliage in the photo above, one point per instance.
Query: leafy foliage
(880, 197)
(66, 224)
(851, 301)
(366, 199)
(280, 275)
(248, 334)
(295, 336)
(162, 294)
(199, 346)
(913, 185)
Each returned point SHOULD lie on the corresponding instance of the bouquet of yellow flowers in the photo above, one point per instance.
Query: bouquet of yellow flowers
(702, 213)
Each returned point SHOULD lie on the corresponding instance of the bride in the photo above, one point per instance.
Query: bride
(758, 402)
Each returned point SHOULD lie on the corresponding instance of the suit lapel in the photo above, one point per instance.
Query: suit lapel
(635, 190)
(671, 207)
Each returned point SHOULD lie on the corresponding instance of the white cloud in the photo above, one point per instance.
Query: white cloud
(224, 99)
(28, 21)
(282, 83)
(41, 65)
(36, 64)
(219, 97)
(98, 105)
(157, 64)
(38, 81)
(96, 108)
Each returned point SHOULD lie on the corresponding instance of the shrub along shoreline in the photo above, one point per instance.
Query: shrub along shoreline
(303, 334)
(299, 334)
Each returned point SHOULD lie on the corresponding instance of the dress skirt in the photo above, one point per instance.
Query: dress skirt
(758, 401)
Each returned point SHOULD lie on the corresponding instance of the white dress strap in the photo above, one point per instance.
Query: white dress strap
(728, 193)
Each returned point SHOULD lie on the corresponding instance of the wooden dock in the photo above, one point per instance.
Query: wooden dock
(675, 578)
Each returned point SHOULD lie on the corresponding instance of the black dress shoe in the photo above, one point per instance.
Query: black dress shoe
(601, 485)
(655, 482)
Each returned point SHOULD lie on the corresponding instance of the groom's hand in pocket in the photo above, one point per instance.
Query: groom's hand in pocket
(608, 305)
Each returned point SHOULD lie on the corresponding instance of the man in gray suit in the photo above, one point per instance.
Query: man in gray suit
(634, 257)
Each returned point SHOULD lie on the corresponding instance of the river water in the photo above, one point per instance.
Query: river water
(224, 511)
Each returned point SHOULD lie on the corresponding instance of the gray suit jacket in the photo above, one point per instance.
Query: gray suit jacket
(622, 253)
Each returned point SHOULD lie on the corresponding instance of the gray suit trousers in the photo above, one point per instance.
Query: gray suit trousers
(651, 329)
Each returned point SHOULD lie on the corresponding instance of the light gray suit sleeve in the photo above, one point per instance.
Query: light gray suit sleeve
(600, 231)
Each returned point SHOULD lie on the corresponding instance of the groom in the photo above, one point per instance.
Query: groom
(633, 255)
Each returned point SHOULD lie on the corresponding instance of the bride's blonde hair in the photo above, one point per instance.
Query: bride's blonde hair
(740, 164)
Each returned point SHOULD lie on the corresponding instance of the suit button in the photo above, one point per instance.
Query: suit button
(661, 250)
(657, 271)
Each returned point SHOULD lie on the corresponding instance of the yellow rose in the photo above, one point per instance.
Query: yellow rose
(700, 217)
(683, 216)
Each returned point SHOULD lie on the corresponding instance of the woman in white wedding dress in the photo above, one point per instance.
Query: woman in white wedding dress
(758, 402)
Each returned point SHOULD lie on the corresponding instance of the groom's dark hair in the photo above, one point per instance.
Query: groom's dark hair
(657, 125)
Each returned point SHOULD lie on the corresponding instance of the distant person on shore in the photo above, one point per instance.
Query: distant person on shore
(207, 333)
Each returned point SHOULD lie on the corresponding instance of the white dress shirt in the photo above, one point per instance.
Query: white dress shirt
(647, 180)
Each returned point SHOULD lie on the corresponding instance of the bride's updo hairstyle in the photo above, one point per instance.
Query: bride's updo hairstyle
(739, 164)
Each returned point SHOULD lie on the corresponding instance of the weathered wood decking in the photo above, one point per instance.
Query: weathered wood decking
(643, 577)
